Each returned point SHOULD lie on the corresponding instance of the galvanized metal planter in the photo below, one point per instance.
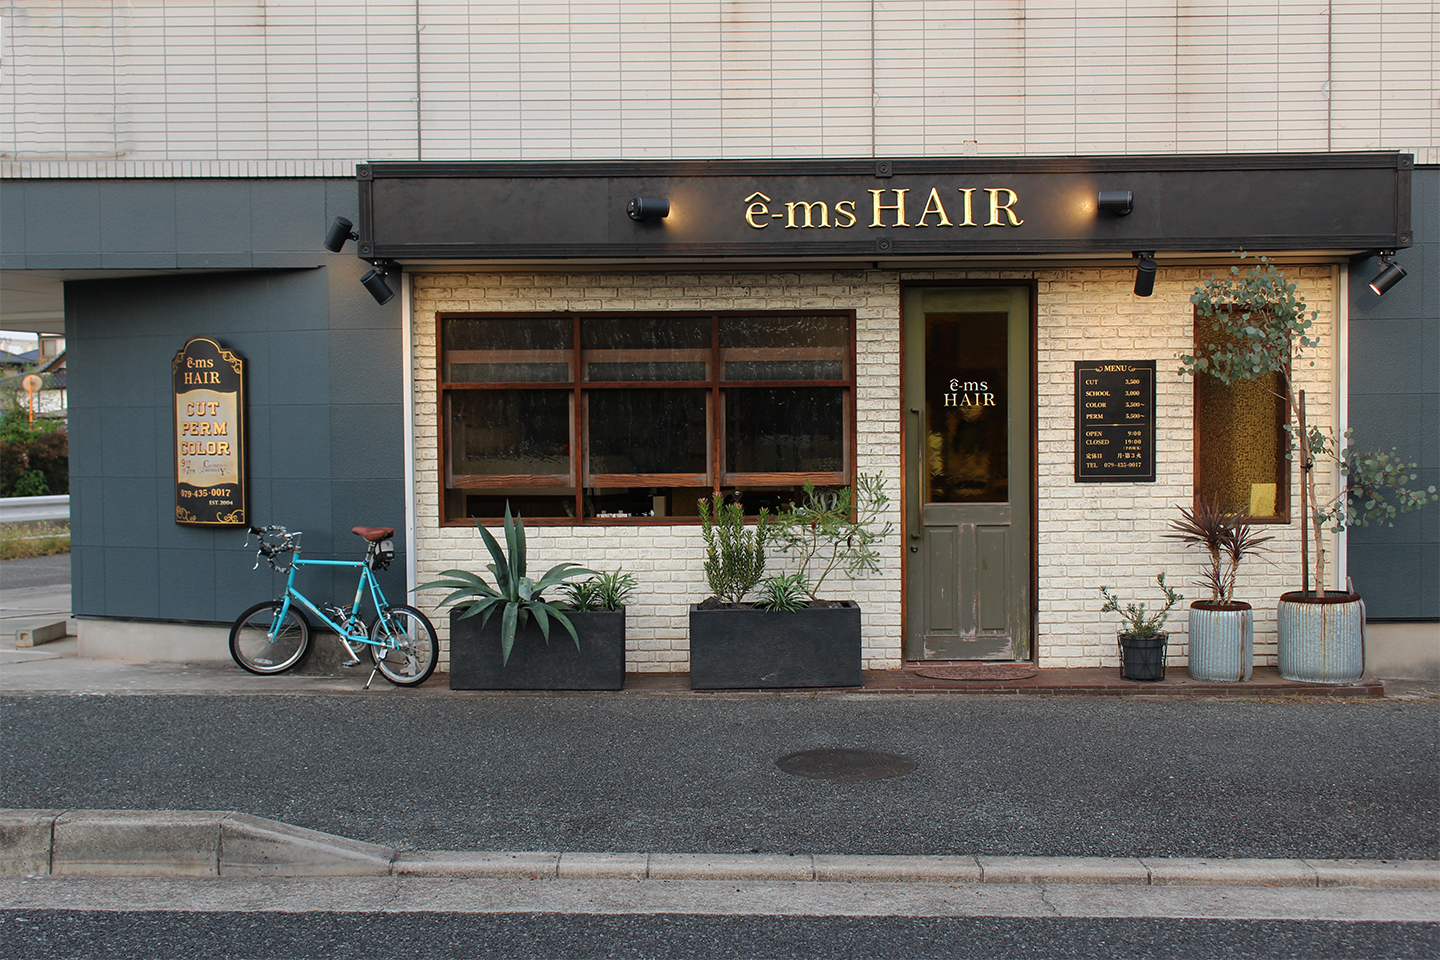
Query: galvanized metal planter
(745, 647)
(1222, 641)
(1322, 639)
(599, 664)
(1142, 658)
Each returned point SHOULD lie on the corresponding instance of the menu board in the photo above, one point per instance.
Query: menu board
(1115, 421)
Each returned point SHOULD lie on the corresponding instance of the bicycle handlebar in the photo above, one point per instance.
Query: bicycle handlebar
(274, 540)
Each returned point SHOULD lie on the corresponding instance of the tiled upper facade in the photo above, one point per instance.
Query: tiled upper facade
(288, 88)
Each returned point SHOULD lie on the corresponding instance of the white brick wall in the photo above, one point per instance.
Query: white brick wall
(310, 87)
(1089, 534)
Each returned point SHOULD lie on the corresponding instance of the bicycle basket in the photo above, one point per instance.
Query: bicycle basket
(384, 553)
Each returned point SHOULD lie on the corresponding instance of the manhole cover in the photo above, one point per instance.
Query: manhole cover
(844, 763)
(978, 671)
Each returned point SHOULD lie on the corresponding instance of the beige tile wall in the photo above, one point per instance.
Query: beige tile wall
(311, 87)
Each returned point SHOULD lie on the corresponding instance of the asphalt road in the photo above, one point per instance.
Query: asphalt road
(263, 936)
(35, 571)
(998, 776)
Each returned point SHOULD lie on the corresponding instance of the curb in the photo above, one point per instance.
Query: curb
(213, 843)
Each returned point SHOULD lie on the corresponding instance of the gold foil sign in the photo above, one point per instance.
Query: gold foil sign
(208, 385)
(895, 207)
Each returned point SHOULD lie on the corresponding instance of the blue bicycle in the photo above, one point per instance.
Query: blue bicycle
(274, 636)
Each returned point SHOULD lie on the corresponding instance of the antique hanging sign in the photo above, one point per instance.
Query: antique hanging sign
(208, 384)
(1114, 421)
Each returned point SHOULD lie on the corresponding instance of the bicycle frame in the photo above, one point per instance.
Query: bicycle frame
(367, 578)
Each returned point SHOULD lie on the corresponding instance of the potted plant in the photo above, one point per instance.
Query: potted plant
(790, 637)
(1142, 645)
(1265, 325)
(1222, 629)
(513, 651)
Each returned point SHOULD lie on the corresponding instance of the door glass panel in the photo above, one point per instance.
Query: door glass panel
(967, 415)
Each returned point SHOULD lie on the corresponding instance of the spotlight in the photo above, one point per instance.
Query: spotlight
(374, 281)
(1145, 272)
(648, 208)
(340, 231)
(1392, 274)
(1116, 202)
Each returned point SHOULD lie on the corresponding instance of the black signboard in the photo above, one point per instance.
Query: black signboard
(1114, 421)
(208, 383)
(900, 207)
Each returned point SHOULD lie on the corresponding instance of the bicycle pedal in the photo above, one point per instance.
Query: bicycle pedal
(350, 663)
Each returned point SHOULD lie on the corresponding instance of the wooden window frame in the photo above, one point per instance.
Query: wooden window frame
(716, 478)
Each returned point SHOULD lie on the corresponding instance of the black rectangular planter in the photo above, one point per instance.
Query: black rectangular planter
(599, 664)
(747, 648)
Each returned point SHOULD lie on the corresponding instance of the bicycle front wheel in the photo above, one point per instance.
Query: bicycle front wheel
(405, 649)
(263, 643)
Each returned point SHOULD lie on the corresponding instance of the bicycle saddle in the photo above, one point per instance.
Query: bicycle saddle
(373, 533)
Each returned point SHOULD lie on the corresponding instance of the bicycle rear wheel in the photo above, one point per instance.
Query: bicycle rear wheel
(405, 648)
(261, 645)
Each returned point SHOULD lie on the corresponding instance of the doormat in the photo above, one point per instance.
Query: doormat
(978, 671)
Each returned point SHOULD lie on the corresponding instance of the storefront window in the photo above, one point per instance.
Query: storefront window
(637, 417)
(1240, 442)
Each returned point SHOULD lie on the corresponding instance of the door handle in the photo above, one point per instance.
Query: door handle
(919, 501)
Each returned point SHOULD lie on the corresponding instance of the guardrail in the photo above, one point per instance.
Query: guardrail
(21, 509)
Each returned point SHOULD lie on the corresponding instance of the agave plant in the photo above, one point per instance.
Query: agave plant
(518, 596)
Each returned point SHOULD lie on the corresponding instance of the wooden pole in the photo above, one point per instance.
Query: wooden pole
(1304, 512)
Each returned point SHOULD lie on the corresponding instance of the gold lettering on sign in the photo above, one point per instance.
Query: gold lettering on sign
(898, 206)
(933, 207)
(760, 209)
(996, 207)
(969, 194)
(809, 207)
(757, 208)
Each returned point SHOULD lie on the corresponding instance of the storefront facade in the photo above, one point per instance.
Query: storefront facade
(919, 204)
(554, 388)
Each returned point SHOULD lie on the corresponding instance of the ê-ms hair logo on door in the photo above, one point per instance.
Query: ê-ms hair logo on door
(208, 384)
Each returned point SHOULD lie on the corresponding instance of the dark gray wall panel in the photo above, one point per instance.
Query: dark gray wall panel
(1395, 402)
(318, 461)
(166, 224)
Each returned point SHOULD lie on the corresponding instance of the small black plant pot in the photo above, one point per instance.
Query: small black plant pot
(1142, 658)
(745, 647)
(599, 664)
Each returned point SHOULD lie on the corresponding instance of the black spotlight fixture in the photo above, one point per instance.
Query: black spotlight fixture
(374, 281)
(648, 208)
(340, 231)
(1118, 203)
(1145, 272)
(1391, 274)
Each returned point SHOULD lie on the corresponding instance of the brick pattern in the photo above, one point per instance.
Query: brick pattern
(300, 87)
(1089, 534)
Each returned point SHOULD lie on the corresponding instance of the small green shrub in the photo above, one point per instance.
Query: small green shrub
(734, 554)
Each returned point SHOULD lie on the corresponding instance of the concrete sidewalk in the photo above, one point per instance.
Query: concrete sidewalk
(226, 844)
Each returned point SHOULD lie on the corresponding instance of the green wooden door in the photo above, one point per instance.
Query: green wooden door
(968, 468)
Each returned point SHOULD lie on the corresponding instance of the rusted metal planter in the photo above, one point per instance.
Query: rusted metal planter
(745, 647)
(599, 664)
(1322, 639)
(1222, 641)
